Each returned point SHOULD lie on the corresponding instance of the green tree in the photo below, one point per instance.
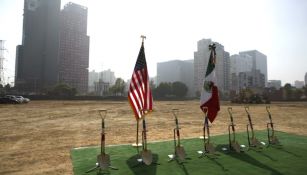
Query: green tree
(62, 90)
(298, 93)
(288, 90)
(179, 89)
(1, 90)
(118, 88)
(305, 90)
(152, 85)
(163, 89)
(7, 87)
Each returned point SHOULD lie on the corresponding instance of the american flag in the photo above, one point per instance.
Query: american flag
(139, 94)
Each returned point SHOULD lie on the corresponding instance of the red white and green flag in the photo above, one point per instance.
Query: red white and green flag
(209, 99)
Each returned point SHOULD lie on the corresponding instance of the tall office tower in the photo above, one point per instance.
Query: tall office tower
(177, 70)
(93, 76)
(259, 62)
(37, 57)
(274, 83)
(253, 79)
(240, 63)
(226, 70)
(306, 79)
(201, 57)
(55, 47)
(298, 84)
(108, 76)
(74, 47)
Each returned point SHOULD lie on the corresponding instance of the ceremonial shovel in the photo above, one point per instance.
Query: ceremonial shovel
(209, 148)
(272, 139)
(103, 159)
(179, 150)
(251, 141)
(233, 144)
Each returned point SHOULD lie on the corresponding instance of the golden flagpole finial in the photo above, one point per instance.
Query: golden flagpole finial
(143, 37)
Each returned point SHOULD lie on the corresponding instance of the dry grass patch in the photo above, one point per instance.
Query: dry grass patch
(36, 138)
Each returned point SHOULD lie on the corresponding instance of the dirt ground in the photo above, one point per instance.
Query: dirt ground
(36, 138)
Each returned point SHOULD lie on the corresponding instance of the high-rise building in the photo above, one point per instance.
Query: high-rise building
(306, 79)
(74, 47)
(37, 57)
(55, 47)
(274, 83)
(253, 79)
(101, 88)
(226, 70)
(177, 70)
(259, 62)
(298, 84)
(240, 63)
(108, 76)
(93, 77)
(222, 67)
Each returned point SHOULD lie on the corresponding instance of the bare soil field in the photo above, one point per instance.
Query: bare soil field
(36, 138)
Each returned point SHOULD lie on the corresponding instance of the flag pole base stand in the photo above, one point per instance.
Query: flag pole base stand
(137, 145)
(207, 154)
(256, 146)
(100, 170)
(140, 162)
(173, 157)
(202, 137)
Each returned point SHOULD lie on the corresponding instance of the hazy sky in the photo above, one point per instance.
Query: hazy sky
(277, 28)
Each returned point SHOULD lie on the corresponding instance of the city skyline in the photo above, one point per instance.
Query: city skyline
(275, 28)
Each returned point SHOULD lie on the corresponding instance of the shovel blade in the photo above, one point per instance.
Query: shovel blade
(103, 161)
(255, 142)
(235, 146)
(274, 140)
(147, 157)
(210, 148)
(180, 152)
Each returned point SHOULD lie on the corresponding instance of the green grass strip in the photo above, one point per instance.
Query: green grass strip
(290, 158)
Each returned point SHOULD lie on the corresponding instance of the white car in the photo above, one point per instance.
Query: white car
(22, 99)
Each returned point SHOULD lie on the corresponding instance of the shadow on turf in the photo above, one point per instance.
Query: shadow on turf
(264, 155)
(284, 150)
(248, 159)
(140, 168)
(182, 166)
(218, 163)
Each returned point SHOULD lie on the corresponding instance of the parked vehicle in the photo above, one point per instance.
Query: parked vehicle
(7, 100)
(12, 97)
(22, 99)
(19, 99)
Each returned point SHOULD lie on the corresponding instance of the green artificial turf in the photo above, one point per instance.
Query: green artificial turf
(289, 159)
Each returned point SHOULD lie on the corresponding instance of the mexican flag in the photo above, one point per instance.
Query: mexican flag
(209, 99)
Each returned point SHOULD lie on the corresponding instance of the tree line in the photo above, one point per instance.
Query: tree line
(178, 90)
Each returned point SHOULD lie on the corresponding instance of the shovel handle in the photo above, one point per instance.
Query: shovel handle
(144, 135)
(268, 111)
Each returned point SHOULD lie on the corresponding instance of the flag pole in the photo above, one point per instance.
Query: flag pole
(137, 135)
(137, 121)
